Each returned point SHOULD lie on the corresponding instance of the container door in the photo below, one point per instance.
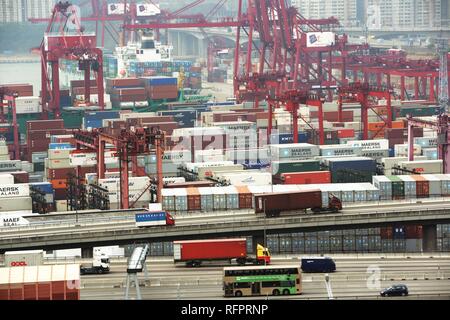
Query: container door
(177, 251)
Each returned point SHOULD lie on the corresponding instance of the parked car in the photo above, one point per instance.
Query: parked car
(395, 290)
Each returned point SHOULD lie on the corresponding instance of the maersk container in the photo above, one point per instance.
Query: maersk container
(14, 190)
(279, 167)
(410, 186)
(376, 154)
(384, 184)
(426, 142)
(293, 150)
(435, 185)
(340, 150)
(398, 188)
(376, 144)
(6, 179)
(206, 199)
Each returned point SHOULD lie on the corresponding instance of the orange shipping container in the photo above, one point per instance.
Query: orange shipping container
(306, 177)
(193, 199)
(59, 183)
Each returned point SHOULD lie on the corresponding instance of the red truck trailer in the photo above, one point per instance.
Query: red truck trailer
(194, 252)
(272, 204)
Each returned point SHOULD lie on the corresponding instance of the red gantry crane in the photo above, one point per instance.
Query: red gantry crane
(65, 39)
(129, 143)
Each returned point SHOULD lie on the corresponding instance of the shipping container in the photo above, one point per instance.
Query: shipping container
(305, 177)
(422, 186)
(398, 188)
(287, 166)
(293, 151)
(24, 258)
(14, 190)
(423, 166)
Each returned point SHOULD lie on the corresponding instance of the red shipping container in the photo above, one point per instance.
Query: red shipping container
(80, 83)
(123, 82)
(129, 91)
(60, 194)
(193, 199)
(213, 249)
(81, 91)
(346, 133)
(332, 116)
(306, 177)
(245, 197)
(60, 173)
(45, 124)
(21, 176)
(386, 233)
(413, 232)
(422, 186)
(43, 134)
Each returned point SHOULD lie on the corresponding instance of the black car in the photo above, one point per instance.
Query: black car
(395, 290)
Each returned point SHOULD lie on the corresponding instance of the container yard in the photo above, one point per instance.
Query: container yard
(196, 154)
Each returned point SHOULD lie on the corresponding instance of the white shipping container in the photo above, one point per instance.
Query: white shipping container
(54, 154)
(5, 157)
(430, 153)
(384, 184)
(114, 196)
(246, 178)
(174, 180)
(340, 150)
(194, 166)
(4, 150)
(426, 142)
(401, 150)
(83, 159)
(6, 178)
(61, 205)
(209, 155)
(435, 185)
(14, 190)
(293, 150)
(24, 258)
(410, 186)
(389, 163)
(14, 218)
(370, 144)
(376, 154)
(15, 204)
(10, 165)
(424, 166)
(59, 163)
(205, 172)
(134, 183)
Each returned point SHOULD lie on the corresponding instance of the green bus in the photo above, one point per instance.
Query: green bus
(262, 280)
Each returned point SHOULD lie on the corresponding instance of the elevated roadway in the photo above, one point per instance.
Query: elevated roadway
(123, 231)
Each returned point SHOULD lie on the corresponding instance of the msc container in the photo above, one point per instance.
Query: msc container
(376, 154)
(279, 167)
(24, 258)
(410, 186)
(384, 184)
(398, 188)
(423, 166)
(422, 186)
(306, 177)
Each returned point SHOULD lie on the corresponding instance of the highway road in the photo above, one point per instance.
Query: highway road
(426, 277)
(126, 222)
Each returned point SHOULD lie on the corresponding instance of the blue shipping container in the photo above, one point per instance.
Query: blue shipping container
(64, 145)
(368, 165)
(161, 81)
(45, 187)
(285, 138)
(184, 118)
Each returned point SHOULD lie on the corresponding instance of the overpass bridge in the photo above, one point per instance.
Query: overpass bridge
(90, 234)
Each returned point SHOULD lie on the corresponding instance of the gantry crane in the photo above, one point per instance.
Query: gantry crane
(361, 93)
(10, 98)
(442, 123)
(60, 42)
(129, 143)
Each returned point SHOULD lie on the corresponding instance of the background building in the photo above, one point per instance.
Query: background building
(16, 11)
(344, 10)
(39, 8)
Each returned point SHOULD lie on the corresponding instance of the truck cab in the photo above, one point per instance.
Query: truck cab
(334, 203)
(262, 255)
(99, 265)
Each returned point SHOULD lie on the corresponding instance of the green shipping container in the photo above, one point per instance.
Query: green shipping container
(72, 118)
(398, 188)
(351, 176)
(279, 167)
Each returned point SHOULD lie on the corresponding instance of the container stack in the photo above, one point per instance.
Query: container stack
(22, 89)
(38, 139)
(135, 184)
(4, 152)
(160, 88)
(126, 92)
(77, 90)
(14, 197)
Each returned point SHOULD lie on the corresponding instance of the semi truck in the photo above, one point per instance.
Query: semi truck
(24, 258)
(194, 252)
(273, 204)
(99, 265)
